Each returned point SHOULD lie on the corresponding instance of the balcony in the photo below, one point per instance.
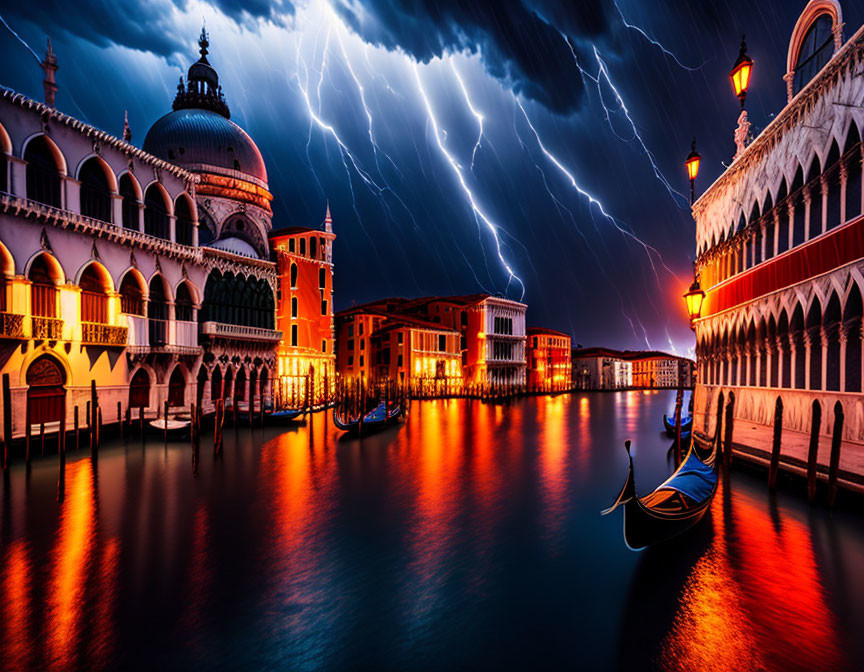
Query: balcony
(11, 325)
(96, 333)
(239, 332)
(46, 328)
(169, 336)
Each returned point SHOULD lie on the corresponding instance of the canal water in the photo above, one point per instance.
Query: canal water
(468, 538)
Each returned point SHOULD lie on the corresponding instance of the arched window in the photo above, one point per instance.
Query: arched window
(785, 354)
(202, 382)
(262, 382)
(253, 385)
(293, 275)
(94, 300)
(796, 329)
(240, 385)
(4, 163)
(814, 187)
(852, 315)
(184, 307)
(216, 384)
(43, 291)
(769, 227)
(139, 390)
(156, 213)
(813, 326)
(183, 224)
(293, 306)
(131, 295)
(783, 220)
(95, 191)
(177, 388)
(130, 202)
(832, 175)
(797, 202)
(46, 394)
(226, 387)
(157, 312)
(816, 50)
(831, 328)
(852, 158)
(43, 173)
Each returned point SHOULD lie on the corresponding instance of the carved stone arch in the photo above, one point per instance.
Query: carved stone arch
(56, 152)
(103, 273)
(166, 197)
(109, 172)
(58, 273)
(5, 141)
(136, 184)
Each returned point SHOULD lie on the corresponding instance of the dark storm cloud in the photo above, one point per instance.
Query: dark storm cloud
(520, 42)
(145, 26)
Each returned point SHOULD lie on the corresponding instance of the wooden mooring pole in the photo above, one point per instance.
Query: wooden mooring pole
(92, 420)
(76, 422)
(7, 420)
(120, 418)
(813, 453)
(836, 439)
(775, 446)
(165, 426)
(730, 420)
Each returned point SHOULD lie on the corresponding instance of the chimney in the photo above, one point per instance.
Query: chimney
(49, 65)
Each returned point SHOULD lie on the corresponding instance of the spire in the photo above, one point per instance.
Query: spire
(127, 130)
(203, 42)
(49, 65)
(328, 220)
(201, 90)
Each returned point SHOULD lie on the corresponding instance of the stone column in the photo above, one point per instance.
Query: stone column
(172, 228)
(141, 216)
(790, 240)
(775, 244)
(17, 177)
(778, 343)
(844, 177)
(793, 353)
(843, 336)
(805, 195)
(823, 336)
(70, 194)
(824, 185)
(117, 209)
(763, 241)
(808, 352)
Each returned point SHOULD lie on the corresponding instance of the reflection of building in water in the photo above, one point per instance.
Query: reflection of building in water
(780, 243)
(605, 369)
(144, 270)
(548, 360)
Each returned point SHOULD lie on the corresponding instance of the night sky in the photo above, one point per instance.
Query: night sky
(609, 272)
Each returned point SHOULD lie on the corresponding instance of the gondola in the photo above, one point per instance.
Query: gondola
(286, 416)
(686, 425)
(673, 507)
(178, 429)
(378, 418)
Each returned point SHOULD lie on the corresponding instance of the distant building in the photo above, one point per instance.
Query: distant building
(606, 369)
(491, 332)
(304, 309)
(548, 360)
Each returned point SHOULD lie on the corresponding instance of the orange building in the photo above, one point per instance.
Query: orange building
(549, 364)
(304, 310)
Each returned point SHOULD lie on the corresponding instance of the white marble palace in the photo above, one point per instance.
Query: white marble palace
(780, 245)
(145, 270)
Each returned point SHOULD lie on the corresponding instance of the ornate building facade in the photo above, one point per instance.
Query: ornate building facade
(549, 367)
(105, 272)
(304, 310)
(780, 250)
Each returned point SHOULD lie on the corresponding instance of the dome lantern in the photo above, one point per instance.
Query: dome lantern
(201, 91)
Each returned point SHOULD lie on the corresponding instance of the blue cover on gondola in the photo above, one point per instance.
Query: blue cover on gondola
(377, 414)
(695, 479)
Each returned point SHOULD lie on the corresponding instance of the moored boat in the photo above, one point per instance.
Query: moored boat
(674, 506)
(177, 429)
(686, 425)
(379, 417)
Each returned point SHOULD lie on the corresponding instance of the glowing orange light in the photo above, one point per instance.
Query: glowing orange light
(740, 74)
(694, 298)
(692, 162)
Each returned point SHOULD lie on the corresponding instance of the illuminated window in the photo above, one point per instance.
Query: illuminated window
(816, 50)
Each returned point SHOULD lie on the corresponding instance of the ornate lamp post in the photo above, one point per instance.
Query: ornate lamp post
(740, 76)
(694, 298)
(740, 73)
(692, 164)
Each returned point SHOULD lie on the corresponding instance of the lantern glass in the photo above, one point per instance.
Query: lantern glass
(693, 166)
(694, 299)
(741, 77)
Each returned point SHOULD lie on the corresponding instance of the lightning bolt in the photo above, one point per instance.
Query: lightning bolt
(477, 115)
(21, 40)
(653, 41)
(457, 170)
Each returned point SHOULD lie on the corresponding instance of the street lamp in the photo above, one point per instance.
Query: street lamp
(740, 74)
(692, 164)
(694, 298)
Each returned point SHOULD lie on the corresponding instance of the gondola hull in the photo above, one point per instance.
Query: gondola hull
(372, 421)
(671, 432)
(178, 430)
(286, 417)
(643, 528)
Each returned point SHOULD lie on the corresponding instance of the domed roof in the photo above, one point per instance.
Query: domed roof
(235, 245)
(191, 136)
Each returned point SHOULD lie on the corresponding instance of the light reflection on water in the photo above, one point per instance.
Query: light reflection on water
(468, 538)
